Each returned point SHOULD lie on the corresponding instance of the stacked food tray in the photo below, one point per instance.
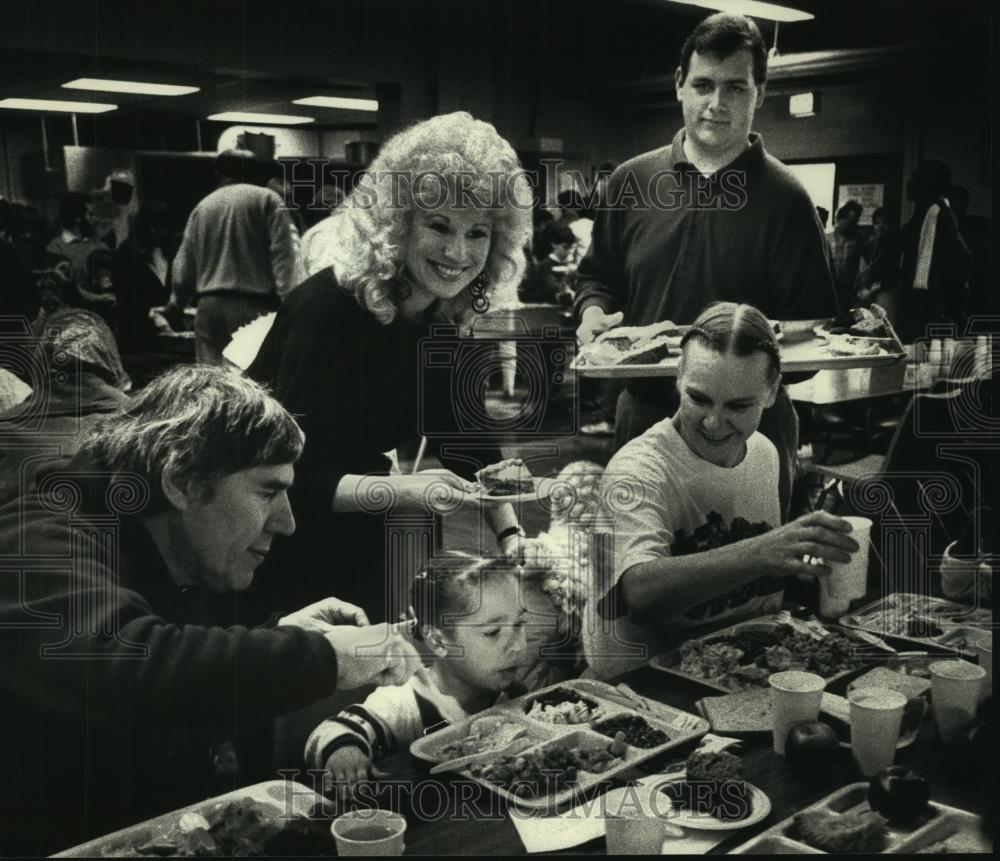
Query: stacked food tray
(555, 757)
(941, 830)
(751, 674)
(922, 620)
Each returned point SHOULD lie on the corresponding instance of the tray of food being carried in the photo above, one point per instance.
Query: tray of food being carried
(542, 749)
(637, 351)
(859, 338)
(510, 480)
(922, 621)
(277, 818)
(845, 821)
(743, 656)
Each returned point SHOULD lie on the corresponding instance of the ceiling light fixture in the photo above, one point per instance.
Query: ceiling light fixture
(752, 8)
(140, 88)
(57, 105)
(259, 119)
(339, 102)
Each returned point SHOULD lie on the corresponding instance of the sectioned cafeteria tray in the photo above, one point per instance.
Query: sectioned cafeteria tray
(802, 349)
(670, 662)
(921, 620)
(678, 726)
(284, 798)
(962, 830)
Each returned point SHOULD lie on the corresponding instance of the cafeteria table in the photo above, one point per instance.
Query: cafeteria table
(948, 774)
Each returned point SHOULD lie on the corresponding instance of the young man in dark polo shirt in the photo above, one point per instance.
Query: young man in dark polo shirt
(711, 216)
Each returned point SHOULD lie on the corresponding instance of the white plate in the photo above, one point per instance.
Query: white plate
(760, 807)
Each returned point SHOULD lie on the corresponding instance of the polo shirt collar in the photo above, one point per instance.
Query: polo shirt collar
(749, 160)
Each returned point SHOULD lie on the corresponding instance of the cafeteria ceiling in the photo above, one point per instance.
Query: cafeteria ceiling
(256, 55)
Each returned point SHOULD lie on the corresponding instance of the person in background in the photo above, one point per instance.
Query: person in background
(541, 219)
(548, 279)
(316, 240)
(137, 683)
(75, 244)
(81, 379)
(880, 276)
(575, 218)
(935, 261)
(732, 223)
(237, 256)
(976, 230)
(141, 276)
(848, 252)
(699, 539)
(18, 296)
(472, 621)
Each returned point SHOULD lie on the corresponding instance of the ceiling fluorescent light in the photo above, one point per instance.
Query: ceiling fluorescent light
(57, 105)
(339, 102)
(137, 87)
(259, 119)
(752, 8)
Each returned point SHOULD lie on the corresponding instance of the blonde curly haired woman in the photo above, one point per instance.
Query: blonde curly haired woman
(435, 226)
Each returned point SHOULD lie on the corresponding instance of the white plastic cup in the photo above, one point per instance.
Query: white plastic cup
(795, 697)
(955, 690)
(876, 716)
(369, 832)
(635, 821)
(983, 647)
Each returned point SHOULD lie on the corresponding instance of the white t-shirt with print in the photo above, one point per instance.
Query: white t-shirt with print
(656, 491)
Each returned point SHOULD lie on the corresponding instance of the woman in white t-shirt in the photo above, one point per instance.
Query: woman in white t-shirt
(693, 503)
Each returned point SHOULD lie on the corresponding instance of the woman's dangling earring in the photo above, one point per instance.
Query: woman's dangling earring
(480, 301)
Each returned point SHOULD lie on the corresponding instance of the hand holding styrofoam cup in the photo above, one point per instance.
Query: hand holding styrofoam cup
(876, 716)
(369, 832)
(955, 687)
(848, 580)
(795, 697)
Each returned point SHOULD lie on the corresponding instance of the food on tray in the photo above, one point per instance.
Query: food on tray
(856, 322)
(715, 533)
(747, 711)
(550, 770)
(899, 794)
(842, 832)
(882, 677)
(637, 732)
(958, 844)
(846, 345)
(490, 732)
(717, 765)
(713, 785)
(506, 478)
(745, 659)
(236, 828)
(918, 617)
(562, 706)
(631, 345)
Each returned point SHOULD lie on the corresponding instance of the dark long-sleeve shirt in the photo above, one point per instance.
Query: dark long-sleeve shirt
(358, 389)
(671, 240)
(114, 681)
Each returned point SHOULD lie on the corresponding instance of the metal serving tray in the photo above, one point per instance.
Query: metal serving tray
(888, 617)
(940, 823)
(679, 726)
(801, 350)
(670, 661)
